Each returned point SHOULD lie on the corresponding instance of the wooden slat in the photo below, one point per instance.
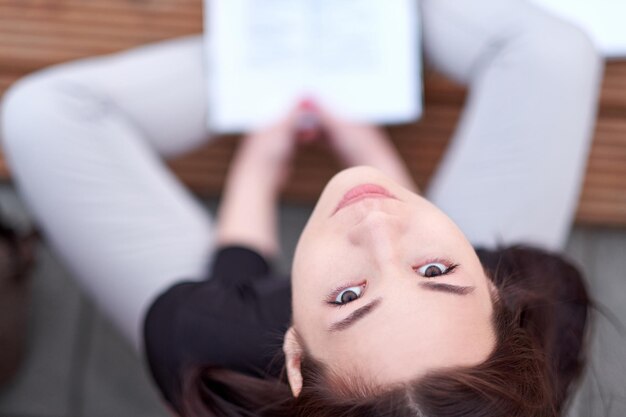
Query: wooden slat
(39, 33)
(34, 34)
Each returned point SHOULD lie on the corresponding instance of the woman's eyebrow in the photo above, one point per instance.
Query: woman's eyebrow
(449, 288)
(355, 316)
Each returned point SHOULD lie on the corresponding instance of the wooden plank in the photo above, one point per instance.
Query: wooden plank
(16, 31)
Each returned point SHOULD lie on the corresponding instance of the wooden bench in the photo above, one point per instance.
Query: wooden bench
(38, 33)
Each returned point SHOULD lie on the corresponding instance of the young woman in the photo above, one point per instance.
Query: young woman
(85, 141)
(390, 311)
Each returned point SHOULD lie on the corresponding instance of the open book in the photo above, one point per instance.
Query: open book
(359, 58)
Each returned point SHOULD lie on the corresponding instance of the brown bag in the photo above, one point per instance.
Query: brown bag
(16, 260)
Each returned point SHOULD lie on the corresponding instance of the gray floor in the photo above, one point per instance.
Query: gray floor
(78, 366)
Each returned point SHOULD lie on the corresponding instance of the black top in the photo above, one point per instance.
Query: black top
(236, 320)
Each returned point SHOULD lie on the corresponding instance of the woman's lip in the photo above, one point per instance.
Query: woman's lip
(361, 192)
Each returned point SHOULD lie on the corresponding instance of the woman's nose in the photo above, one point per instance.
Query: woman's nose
(377, 232)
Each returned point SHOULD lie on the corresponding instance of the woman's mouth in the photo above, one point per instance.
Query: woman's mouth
(362, 192)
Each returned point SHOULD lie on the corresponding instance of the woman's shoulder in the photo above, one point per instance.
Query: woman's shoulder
(235, 325)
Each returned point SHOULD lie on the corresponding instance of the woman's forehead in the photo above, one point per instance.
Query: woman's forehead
(400, 342)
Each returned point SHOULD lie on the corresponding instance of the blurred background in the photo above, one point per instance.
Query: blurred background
(75, 364)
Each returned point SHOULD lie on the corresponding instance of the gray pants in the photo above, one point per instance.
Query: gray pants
(85, 142)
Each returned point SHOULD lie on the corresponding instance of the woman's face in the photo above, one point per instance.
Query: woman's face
(385, 286)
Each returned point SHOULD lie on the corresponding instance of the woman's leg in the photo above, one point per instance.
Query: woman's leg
(514, 170)
(84, 141)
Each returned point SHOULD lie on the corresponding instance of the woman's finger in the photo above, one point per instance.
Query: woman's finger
(308, 129)
(326, 120)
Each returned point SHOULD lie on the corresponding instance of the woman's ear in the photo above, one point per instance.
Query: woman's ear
(293, 358)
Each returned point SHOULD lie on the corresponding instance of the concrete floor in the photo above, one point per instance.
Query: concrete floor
(77, 365)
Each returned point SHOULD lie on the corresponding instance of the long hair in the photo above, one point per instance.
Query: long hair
(540, 314)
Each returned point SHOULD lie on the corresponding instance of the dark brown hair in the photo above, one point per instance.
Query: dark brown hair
(539, 317)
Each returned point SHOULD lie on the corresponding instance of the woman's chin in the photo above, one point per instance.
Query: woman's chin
(361, 171)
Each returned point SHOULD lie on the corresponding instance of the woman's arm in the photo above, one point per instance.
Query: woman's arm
(247, 214)
(362, 144)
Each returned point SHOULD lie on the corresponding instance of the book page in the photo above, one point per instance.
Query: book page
(360, 58)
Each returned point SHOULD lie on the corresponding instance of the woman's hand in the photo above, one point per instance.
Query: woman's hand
(361, 144)
(247, 214)
(354, 143)
(272, 148)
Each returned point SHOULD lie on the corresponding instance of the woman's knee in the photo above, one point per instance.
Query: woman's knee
(564, 52)
(466, 38)
(21, 109)
(35, 109)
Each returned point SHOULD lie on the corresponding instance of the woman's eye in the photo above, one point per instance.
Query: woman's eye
(435, 269)
(348, 295)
